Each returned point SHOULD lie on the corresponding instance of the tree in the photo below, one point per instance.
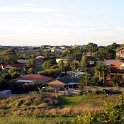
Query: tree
(91, 47)
(84, 62)
(61, 65)
(117, 80)
(74, 65)
(6, 77)
(46, 53)
(30, 71)
(102, 69)
(101, 54)
(47, 64)
(8, 56)
(30, 65)
(112, 50)
(84, 81)
(51, 72)
(14, 72)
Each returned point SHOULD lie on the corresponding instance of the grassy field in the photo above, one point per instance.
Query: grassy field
(31, 109)
(71, 101)
(89, 99)
(30, 120)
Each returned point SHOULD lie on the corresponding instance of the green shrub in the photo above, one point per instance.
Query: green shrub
(51, 72)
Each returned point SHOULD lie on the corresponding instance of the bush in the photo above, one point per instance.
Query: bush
(108, 91)
(51, 72)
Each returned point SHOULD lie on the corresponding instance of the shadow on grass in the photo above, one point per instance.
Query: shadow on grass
(69, 101)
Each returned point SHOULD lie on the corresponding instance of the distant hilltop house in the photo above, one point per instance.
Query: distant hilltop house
(115, 66)
(27, 50)
(56, 50)
(39, 59)
(120, 52)
(65, 60)
(23, 61)
(7, 66)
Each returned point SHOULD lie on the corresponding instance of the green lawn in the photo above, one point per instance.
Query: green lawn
(71, 101)
(90, 99)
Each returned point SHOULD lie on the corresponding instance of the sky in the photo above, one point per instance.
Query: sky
(61, 22)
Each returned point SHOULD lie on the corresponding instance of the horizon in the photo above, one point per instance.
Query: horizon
(58, 45)
(39, 22)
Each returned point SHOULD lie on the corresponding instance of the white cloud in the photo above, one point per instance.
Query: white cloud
(30, 4)
(27, 9)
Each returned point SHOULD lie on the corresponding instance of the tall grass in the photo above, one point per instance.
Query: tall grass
(30, 120)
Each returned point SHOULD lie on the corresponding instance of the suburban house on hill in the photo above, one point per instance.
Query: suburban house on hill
(65, 60)
(115, 66)
(22, 61)
(50, 82)
(39, 59)
(7, 66)
(120, 52)
(33, 78)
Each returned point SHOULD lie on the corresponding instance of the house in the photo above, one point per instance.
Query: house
(120, 52)
(56, 50)
(75, 73)
(39, 59)
(22, 61)
(72, 85)
(27, 50)
(34, 78)
(115, 66)
(3, 66)
(7, 66)
(41, 81)
(65, 60)
(56, 85)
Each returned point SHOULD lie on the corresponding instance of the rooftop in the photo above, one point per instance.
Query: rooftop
(34, 77)
(111, 61)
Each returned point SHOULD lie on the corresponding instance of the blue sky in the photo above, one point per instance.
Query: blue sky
(58, 22)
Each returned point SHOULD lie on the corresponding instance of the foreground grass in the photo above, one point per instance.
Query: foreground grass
(30, 120)
(112, 114)
(42, 106)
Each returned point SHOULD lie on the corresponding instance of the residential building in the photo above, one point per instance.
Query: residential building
(115, 66)
(65, 60)
(34, 78)
(120, 52)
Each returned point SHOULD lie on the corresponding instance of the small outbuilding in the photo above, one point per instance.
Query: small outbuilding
(56, 84)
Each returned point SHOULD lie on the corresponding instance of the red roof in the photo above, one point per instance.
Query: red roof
(35, 77)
